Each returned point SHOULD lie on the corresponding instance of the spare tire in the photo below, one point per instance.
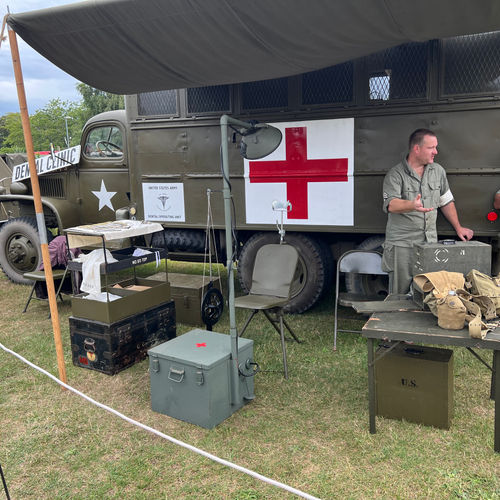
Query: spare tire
(20, 250)
(309, 280)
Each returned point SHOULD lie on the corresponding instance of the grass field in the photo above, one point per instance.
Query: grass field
(310, 432)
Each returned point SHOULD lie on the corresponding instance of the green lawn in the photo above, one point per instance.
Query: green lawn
(310, 432)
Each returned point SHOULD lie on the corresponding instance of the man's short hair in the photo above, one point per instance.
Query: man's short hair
(418, 136)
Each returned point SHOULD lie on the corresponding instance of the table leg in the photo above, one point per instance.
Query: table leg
(492, 388)
(371, 385)
(496, 376)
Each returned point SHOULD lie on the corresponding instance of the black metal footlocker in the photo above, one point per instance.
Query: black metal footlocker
(110, 348)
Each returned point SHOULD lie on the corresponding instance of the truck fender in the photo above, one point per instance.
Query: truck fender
(65, 212)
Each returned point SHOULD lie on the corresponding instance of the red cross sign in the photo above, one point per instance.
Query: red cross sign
(297, 171)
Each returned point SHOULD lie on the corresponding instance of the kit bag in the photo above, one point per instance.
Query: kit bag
(484, 286)
(454, 306)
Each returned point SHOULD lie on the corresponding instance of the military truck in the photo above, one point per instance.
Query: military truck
(343, 127)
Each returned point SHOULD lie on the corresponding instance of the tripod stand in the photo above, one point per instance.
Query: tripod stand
(4, 483)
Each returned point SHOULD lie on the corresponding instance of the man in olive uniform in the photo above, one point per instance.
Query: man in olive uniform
(496, 200)
(413, 191)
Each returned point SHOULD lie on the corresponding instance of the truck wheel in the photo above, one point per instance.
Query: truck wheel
(328, 264)
(19, 248)
(368, 284)
(309, 280)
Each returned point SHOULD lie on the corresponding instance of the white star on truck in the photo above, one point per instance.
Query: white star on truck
(104, 196)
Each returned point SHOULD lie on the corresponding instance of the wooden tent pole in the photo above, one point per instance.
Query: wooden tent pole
(42, 231)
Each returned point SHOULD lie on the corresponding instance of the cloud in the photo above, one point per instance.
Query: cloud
(43, 81)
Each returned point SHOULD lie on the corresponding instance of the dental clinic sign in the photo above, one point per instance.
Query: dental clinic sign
(48, 163)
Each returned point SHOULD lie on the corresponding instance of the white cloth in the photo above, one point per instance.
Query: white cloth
(102, 297)
(91, 264)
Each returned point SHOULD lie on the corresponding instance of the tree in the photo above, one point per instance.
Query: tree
(97, 101)
(3, 131)
(48, 126)
(14, 139)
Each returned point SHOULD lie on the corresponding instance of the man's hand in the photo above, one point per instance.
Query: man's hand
(464, 233)
(399, 206)
(496, 201)
(418, 205)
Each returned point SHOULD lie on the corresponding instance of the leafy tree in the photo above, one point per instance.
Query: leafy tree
(48, 125)
(3, 131)
(14, 139)
(97, 101)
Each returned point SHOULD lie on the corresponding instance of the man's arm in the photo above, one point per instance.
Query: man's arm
(496, 201)
(450, 212)
(399, 206)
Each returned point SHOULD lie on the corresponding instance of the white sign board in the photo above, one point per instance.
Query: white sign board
(46, 164)
(312, 169)
(164, 202)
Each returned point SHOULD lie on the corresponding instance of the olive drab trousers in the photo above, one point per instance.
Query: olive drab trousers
(397, 262)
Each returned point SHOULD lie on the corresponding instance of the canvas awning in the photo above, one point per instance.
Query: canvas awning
(130, 46)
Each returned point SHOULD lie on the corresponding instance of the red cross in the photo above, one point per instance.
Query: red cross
(201, 344)
(297, 171)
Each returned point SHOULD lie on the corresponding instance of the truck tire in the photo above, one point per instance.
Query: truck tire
(180, 240)
(328, 265)
(368, 284)
(20, 250)
(309, 280)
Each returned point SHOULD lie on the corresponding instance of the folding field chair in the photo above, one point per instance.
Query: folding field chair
(359, 262)
(39, 277)
(272, 278)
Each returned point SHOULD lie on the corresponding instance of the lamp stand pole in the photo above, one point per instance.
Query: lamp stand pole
(226, 191)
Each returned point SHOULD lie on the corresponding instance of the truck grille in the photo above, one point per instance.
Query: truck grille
(52, 187)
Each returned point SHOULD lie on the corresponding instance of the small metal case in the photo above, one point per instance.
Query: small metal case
(415, 383)
(191, 377)
(460, 257)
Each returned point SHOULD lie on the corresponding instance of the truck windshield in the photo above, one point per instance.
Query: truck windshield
(104, 142)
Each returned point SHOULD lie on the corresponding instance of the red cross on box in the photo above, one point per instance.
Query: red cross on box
(297, 171)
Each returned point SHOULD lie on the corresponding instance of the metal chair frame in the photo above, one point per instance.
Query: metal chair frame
(358, 262)
(272, 278)
(39, 277)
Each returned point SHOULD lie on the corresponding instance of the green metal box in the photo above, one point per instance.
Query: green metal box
(415, 383)
(187, 291)
(460, 257)
(130, 303)
(191, 377)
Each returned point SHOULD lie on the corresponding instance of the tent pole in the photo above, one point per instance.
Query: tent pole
(49, 279)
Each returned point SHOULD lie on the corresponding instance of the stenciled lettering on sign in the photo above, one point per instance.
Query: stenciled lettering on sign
(163, 201)
(47, 164)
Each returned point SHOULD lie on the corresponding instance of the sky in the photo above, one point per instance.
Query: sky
(42, 80)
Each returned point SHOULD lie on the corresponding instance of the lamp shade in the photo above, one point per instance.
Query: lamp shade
(260, 141)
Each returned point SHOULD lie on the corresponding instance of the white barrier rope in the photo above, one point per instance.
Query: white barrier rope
(164, 436)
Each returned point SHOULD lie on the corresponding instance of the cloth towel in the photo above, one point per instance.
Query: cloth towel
(91, 264)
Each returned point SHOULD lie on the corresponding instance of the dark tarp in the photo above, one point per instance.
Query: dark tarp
(130, 46)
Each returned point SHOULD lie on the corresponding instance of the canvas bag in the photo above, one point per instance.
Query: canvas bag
(485, 286)
(453, 309)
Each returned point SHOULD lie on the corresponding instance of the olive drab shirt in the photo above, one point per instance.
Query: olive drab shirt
(414, 227)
